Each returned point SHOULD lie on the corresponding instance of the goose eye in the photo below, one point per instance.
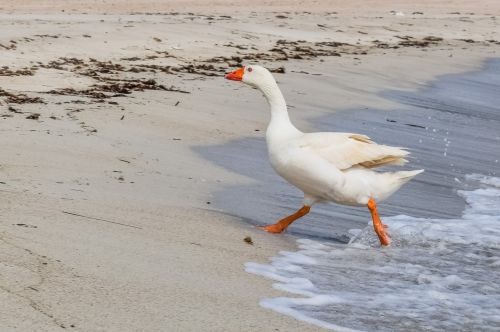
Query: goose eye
(250, 69)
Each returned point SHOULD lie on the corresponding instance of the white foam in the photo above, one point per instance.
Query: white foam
(488, 180)
(438, 274)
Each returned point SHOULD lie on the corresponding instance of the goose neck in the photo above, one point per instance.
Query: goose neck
(280, 123)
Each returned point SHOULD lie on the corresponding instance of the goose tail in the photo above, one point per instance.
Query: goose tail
(405, 176)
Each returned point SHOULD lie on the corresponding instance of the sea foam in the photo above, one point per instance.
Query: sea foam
(438, 274)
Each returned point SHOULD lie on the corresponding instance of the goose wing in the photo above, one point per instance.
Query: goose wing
(345, 150)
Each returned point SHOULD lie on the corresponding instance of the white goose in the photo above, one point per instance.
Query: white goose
(327, 167)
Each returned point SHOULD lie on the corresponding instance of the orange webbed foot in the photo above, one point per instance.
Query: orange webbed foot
(384, 238)
(275, 228)
(282, 225)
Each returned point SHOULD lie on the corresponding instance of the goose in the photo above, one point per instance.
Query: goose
(325, 166)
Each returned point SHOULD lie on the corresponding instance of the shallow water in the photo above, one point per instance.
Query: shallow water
(440, 273)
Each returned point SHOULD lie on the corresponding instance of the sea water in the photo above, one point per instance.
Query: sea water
(437, 275)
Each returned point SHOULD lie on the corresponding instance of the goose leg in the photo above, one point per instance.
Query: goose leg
(377, 224)
(282, 225)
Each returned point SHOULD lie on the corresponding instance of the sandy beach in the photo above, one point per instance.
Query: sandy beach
(108, 213)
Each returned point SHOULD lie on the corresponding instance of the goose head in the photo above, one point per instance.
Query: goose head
(253, 75)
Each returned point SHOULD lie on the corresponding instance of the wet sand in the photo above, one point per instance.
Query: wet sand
(112, 216)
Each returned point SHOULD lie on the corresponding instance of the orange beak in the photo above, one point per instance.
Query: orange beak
(236, 75)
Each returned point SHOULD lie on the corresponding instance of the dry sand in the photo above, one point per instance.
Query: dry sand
(106, 221)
